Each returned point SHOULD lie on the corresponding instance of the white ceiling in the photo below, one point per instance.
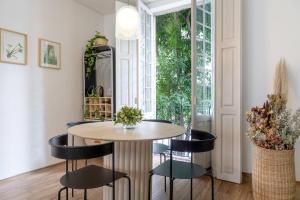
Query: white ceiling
(149, 1)
(108, 6)
(100, 6)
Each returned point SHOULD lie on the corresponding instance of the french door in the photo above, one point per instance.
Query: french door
(216, 82)
(146, 60)
(216, 78)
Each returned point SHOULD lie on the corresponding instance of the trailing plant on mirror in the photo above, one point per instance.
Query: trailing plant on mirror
(89, 55)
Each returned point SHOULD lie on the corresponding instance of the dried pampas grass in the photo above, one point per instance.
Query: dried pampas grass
(280, 86)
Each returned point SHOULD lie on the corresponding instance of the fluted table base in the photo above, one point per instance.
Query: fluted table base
(135, 159)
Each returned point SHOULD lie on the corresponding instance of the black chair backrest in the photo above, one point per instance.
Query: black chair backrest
(201, 142)
(70, 124)
(60, 149)
(157, 120)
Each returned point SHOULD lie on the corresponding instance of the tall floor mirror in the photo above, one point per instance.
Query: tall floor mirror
(99, 85)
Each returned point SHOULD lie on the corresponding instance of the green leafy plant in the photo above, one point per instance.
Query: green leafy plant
(89, 55)
(93, 93)
(87, 114)
(129, 116)
(98, 115)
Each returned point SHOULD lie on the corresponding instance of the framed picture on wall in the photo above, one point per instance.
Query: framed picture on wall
(49, 54)
(13, 47)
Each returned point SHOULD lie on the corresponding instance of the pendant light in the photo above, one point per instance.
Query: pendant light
(127, 23)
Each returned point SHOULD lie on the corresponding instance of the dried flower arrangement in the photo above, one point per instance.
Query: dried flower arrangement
(273, 126)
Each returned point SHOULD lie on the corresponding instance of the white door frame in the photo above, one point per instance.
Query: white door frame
(226, 122)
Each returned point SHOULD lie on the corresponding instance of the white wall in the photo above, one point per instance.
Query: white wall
(36, 103)
(109, 28)
(270, 30)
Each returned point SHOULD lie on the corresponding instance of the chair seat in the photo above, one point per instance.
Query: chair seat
(160, 148)
(89, 177)
(181, 170)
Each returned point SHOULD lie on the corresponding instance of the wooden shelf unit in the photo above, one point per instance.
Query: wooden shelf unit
(96, 108)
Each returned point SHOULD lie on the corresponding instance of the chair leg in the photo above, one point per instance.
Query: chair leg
(59, 192)
(67, 193)
(129, 187)
(113, 190)
(150, 186)
(165, 159)
(191, 189)
(212, 187)
(171, 188)
(72, 171)
(85, 194)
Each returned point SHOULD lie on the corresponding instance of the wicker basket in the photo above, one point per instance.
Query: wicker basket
(273, 174)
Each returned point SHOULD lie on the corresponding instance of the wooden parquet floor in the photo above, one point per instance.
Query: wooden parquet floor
(43, 184)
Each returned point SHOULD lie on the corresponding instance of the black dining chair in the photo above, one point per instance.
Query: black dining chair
(90, 176)
(158, 148)
(200, 142)
(75, 123)
(69, 125)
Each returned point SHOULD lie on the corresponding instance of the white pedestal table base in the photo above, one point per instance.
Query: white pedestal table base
(135, 159)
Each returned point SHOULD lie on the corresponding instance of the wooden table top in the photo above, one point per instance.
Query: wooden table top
(143, 131)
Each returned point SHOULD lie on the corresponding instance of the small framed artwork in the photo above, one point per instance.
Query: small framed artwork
(49, 54)
(13, 47)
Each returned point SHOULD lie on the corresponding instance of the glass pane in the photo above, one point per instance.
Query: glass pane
(199, 15)
(208, 19)
(208, 48)
(148, 81)
(199, 32)
(148, 32)
(199, 61)
(145, 75)
(208, 7)
(203, 73)
(208, 63)
(199, 46)
(148, 100)
(207, 34)
(148, 19)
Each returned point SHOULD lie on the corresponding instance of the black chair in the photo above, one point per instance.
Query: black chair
(90, 176)
(69, 125)
(200, 142)
(158, 148)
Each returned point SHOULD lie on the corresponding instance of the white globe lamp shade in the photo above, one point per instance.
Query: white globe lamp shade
(127, 23)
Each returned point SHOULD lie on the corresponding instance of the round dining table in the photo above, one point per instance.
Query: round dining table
(133, 151)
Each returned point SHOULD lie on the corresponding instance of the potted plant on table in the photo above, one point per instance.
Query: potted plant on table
(129, 117)
(273, 131)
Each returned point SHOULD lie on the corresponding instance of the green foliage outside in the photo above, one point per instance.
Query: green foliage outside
(173, 78)
(173, 72)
